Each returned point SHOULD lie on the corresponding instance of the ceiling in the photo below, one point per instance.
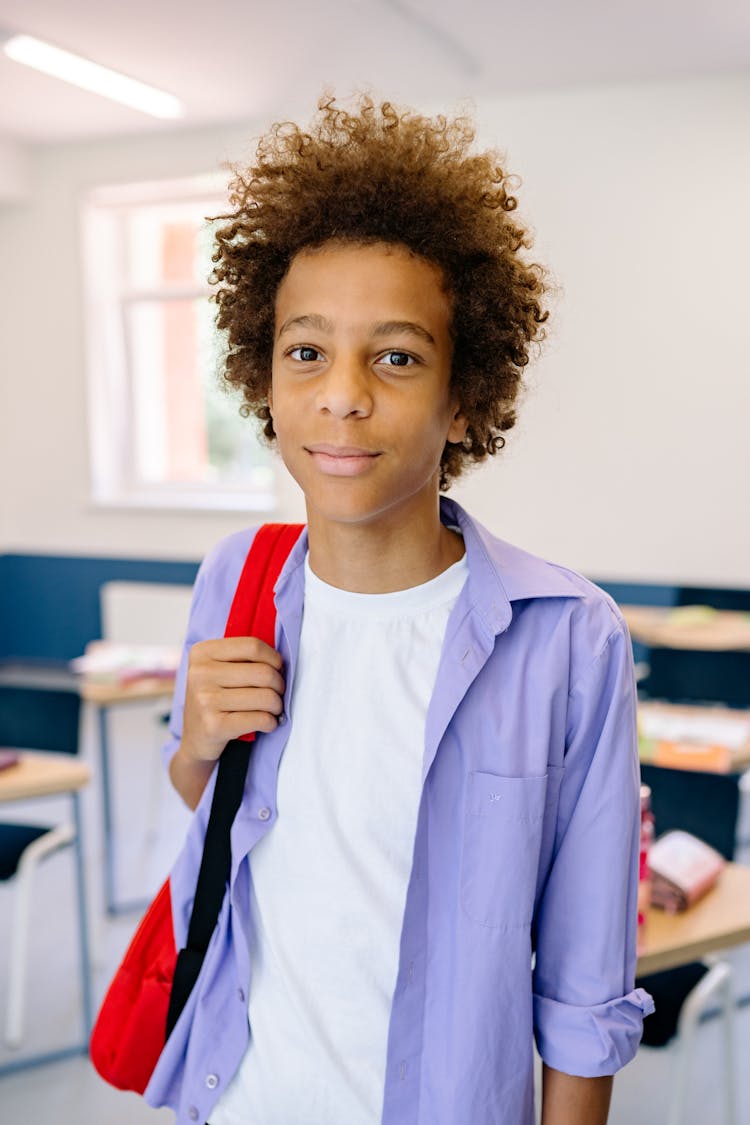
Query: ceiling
(231, 60)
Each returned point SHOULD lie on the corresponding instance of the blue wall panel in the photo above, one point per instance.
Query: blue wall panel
(49, 606)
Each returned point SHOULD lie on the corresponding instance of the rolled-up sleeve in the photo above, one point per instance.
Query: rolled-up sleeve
(588, 1016)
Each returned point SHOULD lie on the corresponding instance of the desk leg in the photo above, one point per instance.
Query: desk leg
(109, 859)
(113, 905)
(83, 923)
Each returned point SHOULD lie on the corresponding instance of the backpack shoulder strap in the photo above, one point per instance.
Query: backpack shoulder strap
(253, 614)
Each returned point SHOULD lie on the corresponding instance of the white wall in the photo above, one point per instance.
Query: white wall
(14, 171)
(631, 458)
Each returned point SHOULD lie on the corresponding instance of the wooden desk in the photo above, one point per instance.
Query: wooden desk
(111, 695)
(718, 921)
(47, 675)
(57, 676)
(40, 774)
(36, 775)
(689, 627)
(102, 697)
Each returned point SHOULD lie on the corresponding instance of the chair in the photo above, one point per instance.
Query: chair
(48, 720)
(707, 806)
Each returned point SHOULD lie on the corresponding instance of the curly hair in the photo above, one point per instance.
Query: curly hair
(386, 174)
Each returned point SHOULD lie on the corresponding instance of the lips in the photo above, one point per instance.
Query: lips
(341, 450)
(342, 460)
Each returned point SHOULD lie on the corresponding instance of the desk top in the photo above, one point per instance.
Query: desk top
(46, 675)
(105, 695)
(699, 628)
(719, 920)
(58, 676)
(42, 775)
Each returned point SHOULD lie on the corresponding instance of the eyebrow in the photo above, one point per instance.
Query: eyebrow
(309, 320)
(394, 327)
(385, 328)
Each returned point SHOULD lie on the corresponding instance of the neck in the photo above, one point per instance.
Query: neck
(382, 556)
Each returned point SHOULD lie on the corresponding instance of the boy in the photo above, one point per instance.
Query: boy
(458, 787)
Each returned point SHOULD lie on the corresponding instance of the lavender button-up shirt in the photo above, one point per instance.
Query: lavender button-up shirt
(526, 843)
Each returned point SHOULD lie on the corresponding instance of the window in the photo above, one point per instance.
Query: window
(164, 432)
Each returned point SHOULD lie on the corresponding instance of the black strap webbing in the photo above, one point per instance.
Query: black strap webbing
(213, 875)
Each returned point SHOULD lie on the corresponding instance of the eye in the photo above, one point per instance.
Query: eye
(305, 354)
(397, 359)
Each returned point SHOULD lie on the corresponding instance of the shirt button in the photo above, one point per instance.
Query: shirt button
(193, 1113)
(241, 995)
(212, 1081)
(281, 718)
(264, 813)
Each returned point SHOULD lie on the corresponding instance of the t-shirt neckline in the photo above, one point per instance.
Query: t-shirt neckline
(444, 587)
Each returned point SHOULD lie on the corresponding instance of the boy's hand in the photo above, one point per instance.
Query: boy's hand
(234, 686)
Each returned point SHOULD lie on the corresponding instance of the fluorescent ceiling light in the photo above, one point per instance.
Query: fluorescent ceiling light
(91, 76)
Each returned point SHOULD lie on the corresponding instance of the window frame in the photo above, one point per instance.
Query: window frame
(111, 410)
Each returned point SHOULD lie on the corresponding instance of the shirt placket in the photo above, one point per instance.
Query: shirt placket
(465, 654)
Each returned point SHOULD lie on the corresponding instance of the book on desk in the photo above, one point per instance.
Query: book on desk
(708, 739)
(111, 663)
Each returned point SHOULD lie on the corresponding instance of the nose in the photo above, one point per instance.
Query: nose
(345, 389)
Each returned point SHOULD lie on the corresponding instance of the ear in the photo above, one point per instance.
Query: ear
(458, 425)
(269, 397)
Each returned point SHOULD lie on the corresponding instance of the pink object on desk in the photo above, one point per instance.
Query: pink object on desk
(683, 869)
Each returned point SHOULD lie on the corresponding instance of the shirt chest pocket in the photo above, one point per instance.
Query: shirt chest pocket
(500, 851)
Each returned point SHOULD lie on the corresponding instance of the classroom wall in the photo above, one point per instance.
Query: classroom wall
(14, 171)
(631, 457)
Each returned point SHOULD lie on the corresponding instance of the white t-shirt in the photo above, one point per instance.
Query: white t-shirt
(330, 878)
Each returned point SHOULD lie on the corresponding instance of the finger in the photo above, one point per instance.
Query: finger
(247, 649)
(210, 727)
(245, 722)
(230, 674)
(235, 700)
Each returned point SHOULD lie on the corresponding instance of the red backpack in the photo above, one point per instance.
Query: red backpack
(153, 982)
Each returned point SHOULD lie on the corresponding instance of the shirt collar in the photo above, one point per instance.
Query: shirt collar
(499, 572)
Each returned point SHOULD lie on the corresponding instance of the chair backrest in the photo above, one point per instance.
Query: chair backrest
(39, 719)
(706, 804)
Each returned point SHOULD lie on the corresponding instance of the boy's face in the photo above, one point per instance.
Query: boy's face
(360, 395)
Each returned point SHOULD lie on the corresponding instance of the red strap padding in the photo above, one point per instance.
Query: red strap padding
(253, 611)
